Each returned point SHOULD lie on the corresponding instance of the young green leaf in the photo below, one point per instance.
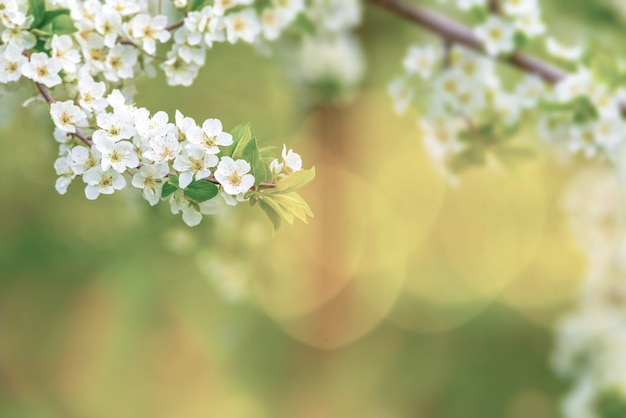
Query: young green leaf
(51, 14)
(294, 181)
(201, 190)
(168, 189)
(63, 25)
(304, 25)
(259, 168)
(197, 5)
(242, 134)
(294, 204)
(271, 213)
(37, 8)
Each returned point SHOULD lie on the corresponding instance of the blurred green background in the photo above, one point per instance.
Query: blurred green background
(403, 298)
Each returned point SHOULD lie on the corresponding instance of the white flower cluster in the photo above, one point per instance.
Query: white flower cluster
(472, 108)
(89, 51)
(118, 38)
(591, 340)
(590, 119)
(130, 142)
(513, 18)
(465, 96)
(329, 58)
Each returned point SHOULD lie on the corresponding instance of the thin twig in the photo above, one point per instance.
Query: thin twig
(175, 26)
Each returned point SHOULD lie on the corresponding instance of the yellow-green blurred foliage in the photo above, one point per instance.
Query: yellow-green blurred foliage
(403, 298)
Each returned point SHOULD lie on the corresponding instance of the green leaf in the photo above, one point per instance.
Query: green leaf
(37, 8)
(580, 107)
(294, 181)
(278, 208)
(611, 403)
(271, 213)
(168, 189)
(286, 206)
(520, 40)
(295, 205)
(259, 168)
(63, 25)
(197, 5)
(251, 153)
(44, 31)
(50, 15)
(480, 14)
(260, 5)
(242, 134)
(201, 190)
(304, 25)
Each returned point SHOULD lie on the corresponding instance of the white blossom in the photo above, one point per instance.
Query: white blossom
(192, 212)
(19, 35)
(109, 24)
(421, 60)
(233, 176)
(149, 179)
(497, 35)
(63, 168)
(84, 159)
(42, 69)
(243, 25)
(101, 181)
(194, 162)
(401, 93)
(520, 7)
(558, 50)
(272, 23)
(210, 136)
(120, 63)
(114, 126)
(125, 7)
(292, 160)
(179, 72)
(66, 115)
(183, 123)
(468, 4)
(148, 30)
(118, 155)
(530, 90)
(163, 148)
(530, 24)
(91, 94)
(149, 127)
(62, 48)
(11, 62)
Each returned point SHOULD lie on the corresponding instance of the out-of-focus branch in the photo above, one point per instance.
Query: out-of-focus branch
(457, 33)
(494, 6)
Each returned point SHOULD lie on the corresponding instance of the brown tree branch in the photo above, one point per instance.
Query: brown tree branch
(457, 33)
